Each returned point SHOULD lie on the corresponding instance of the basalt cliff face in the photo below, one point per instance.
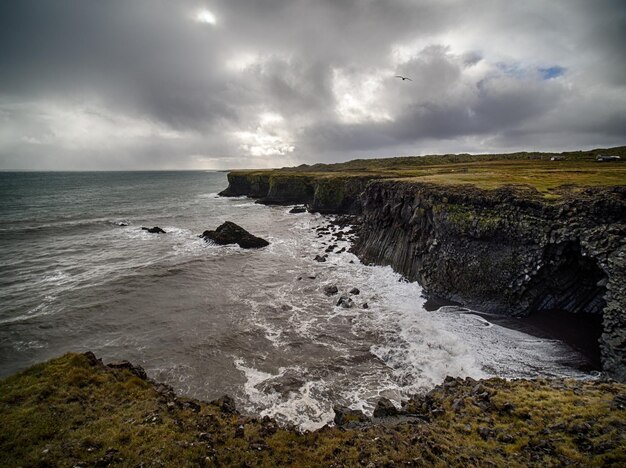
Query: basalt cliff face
(507, 250)
(321, 194)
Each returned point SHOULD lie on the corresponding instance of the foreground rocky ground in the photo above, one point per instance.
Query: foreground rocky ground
(75, 411)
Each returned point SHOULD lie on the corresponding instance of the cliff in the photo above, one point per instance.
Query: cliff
(515, 234)
(321, 193)
(76, 411)
(507, 250)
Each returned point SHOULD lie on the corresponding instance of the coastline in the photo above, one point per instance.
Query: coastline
(77, 411)
(505, 234)
(557, 325)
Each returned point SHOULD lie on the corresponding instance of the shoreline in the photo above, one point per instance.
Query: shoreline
(512, 249)
(555, 325)
(77, 411)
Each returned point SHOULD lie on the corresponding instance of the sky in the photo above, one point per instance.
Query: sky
(218, 84)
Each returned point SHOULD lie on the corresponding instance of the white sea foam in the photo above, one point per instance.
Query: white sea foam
(298, 353)
(304, 407)
(417, 348)
(210, 195)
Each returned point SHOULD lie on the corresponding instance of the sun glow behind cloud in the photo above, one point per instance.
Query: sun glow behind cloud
(205, 16)
(270, 138)
(358, 96)
(485, 77)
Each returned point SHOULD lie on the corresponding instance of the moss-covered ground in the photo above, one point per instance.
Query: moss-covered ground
(551, 179)
(74, 411)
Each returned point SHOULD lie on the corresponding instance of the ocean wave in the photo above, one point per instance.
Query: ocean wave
(171, 300)
(303, 404)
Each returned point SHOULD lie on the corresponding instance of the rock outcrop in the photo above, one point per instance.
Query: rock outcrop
(74, 411)
(154, 230)
(230, 233)
(506, 250)
(320, 194)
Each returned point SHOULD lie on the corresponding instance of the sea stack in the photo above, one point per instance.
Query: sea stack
(230, 233)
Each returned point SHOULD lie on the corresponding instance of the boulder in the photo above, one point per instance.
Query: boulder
(137, 370)
(345, 301)
(230, 233)
(298, 209)
(385, 408)
(355, 291)
(330, 290)
(319, 258)
(154, 230)
(348, 417)
(92, 359)
(226, 404)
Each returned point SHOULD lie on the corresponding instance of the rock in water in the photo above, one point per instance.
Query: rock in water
(230, 233)
(298, 209)
(345, 416)
(319, 258)
(330, 290)
(345, 301)
(154, 230)
(385, 408)
(355, 291)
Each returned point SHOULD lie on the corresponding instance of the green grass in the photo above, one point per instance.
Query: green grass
(531, 171)
(68, 412)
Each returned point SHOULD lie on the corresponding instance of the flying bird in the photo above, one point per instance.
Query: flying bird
(404, 77)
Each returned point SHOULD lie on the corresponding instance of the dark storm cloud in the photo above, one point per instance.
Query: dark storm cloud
(146, 84)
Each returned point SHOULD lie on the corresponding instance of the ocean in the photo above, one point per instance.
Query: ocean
(78, 273)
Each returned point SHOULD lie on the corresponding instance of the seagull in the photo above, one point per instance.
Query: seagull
(403, 77)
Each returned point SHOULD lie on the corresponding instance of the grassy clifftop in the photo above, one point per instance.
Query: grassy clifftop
(74, 411)
(526, 170)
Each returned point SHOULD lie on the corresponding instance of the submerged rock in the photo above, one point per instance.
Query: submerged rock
(345, 301)
(330, 290)
(355, 291)
(319, 258)
(230, 233)
(154, 230)
(298, 209)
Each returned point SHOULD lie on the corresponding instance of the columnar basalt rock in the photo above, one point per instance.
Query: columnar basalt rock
(320, 194)
(506, 250)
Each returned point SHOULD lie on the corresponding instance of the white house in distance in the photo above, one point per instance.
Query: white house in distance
(605, 158)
